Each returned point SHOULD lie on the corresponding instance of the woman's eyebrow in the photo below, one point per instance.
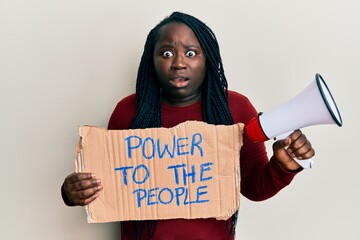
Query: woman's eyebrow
(173, 44)
(166, 45)
(191, 46)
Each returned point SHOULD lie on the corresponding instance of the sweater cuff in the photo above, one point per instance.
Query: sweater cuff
(286, 176)
(289, 171)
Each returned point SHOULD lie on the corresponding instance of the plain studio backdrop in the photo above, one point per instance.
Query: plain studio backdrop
(67, 63)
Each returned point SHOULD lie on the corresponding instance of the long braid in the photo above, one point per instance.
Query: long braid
(215, 108)
(147, 90)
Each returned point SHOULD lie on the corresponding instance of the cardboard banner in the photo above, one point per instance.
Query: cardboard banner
(189, 171)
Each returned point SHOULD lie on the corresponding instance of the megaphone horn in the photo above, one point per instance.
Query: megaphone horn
(313, 106)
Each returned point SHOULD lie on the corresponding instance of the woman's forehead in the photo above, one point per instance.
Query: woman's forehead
(177, 31)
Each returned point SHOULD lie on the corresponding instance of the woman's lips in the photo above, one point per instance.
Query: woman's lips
(179, 82)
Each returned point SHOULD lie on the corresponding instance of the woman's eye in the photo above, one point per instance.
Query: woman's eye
(167, 54)
(190, 53)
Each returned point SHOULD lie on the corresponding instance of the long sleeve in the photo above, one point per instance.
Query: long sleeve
(261, 178)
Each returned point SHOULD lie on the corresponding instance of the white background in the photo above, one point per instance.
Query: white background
(67, 63)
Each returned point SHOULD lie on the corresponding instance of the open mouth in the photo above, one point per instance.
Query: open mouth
(179, 82)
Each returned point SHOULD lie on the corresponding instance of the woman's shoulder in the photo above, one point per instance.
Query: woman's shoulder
(237, 98)
(128, 100)
(123, 113)
(240, 106)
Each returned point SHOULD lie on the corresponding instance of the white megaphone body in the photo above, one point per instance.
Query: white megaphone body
(315, 105)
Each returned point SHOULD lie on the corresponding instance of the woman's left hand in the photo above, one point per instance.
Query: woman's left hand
(296, 145)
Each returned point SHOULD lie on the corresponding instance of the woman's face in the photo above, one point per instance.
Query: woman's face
(179, 63)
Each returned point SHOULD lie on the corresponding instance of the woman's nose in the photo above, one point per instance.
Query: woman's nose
(178, 62)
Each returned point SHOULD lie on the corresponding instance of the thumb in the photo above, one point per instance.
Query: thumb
(281, 154)
(280, 149)
(281, 144)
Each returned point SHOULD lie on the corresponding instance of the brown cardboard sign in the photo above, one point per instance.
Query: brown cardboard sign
(189, 171)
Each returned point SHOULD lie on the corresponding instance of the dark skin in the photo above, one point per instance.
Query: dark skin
(180, 65)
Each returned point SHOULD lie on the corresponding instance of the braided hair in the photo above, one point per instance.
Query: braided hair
(215, 108)
(214, 92)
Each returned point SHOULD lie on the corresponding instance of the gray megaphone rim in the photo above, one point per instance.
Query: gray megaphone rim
(319, 80)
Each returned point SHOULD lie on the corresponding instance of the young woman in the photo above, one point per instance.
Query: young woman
(181, 77)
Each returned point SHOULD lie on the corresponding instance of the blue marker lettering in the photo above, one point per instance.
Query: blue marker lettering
(140, 195)
(176, 174)
(129, 147)
(199, 193)
(181, 145)
(152, 147)
(171, 153)
(150, 195)
(186, 201)
(147, 174)
(195, 142)
(170, 198)
(204, 168)
(124, 173)
(189, 174)
(179, 191)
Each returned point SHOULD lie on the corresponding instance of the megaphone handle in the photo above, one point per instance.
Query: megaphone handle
(306, 164)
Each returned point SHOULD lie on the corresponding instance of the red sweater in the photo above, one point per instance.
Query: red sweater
(260, 178)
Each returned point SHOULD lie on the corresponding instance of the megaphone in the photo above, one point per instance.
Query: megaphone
(315, 105)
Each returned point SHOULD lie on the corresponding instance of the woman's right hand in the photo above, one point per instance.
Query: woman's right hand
(81, 188)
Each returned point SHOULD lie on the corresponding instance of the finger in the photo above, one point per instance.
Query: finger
(84, 194)
(297, 148)
(305, 152)
(295, 135)
(307, 155)
(301, 148)
(281, 154)
(279, 149)
(84, 197)
(285, 143)
(75, 177)
(90, 199)
(298, 141)
(280, 144)
(85, 184)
